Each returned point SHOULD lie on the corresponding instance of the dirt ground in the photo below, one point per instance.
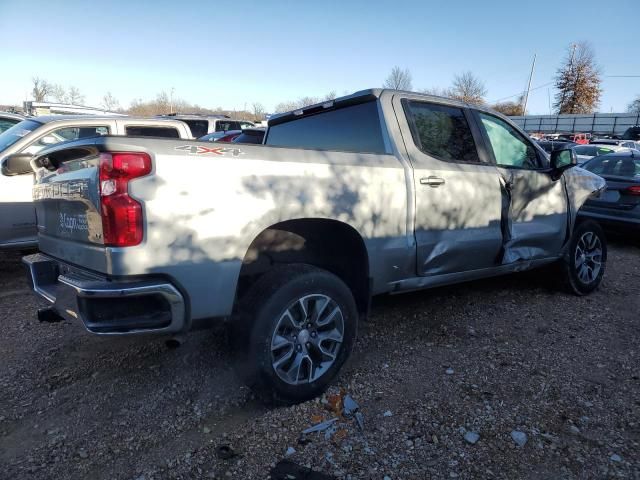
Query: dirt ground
(508, 358)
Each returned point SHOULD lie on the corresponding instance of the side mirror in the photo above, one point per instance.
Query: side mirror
(17, 164)
(563, 159)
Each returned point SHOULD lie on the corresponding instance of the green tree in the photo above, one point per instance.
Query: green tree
(578, 81)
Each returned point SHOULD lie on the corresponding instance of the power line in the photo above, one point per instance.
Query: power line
(550, 83)
(520, 93)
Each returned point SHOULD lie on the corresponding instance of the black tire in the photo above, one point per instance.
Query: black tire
(262, 312)
(571, 264)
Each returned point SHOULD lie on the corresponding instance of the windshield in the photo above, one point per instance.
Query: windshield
(15, 133)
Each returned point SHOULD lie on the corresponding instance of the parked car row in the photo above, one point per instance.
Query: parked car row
(618, 162)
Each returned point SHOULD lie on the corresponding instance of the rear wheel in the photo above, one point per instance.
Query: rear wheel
(294, 330)
(584, 265)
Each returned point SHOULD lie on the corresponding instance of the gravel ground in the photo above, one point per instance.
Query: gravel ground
(507, 359)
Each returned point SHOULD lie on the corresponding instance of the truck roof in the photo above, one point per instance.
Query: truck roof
(360, 96)
(194, 116)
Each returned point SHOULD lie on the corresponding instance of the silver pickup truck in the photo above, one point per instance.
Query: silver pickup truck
(377, 192)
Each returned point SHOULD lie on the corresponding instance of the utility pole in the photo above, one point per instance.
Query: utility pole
(526, 97)
(171, 101)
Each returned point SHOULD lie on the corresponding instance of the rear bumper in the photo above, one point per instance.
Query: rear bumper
(106, 306)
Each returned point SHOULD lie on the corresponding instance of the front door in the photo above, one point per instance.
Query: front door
(536, 221)
(458, 201)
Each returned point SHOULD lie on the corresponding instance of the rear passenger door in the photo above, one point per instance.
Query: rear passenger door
(537, 202)
(458, 199)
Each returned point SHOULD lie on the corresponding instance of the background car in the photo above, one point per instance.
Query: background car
(619, 205)
(584, 153)
(616, 141)
(8, 120)
(552, 145)
(219, 136)
(202, 125)
(250, 135)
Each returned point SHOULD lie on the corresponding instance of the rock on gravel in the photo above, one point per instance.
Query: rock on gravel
(472, 437)
(519, 437)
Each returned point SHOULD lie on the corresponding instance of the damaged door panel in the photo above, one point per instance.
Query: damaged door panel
(534, 215)
(458, 199)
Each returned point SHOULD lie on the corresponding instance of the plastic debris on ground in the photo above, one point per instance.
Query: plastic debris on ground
(344, 407)
(320, 427)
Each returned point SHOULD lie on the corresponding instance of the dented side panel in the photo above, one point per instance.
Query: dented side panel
(534, 216)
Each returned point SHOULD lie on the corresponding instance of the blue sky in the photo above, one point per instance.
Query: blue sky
(231, 54)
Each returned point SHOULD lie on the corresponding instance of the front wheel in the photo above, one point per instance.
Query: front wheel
(295, 329)
(584, 264)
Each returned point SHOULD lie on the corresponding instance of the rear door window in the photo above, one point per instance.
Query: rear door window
(355, 128)
(441, 131)
(149, 131)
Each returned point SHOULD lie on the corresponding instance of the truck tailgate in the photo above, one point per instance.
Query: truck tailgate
(67, 202)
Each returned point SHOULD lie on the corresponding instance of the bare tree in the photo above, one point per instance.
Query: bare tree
(510, 109)
(286, 106)
(258, 110)
(41, 89)
(468, 88)
(436, 91)
(398, 79)
(58, 93)
(634, 107)
(74, 97)
(110, 103)
(330, 96)
(578, 81)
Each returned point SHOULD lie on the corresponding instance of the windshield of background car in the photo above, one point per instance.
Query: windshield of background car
(7, 123)
(253, 137)
(15, 133)
(615, 165)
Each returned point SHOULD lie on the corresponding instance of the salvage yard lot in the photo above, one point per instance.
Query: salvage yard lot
(492, 357)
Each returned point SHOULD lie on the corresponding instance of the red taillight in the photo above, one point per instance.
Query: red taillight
(122, 224)
(633, 190)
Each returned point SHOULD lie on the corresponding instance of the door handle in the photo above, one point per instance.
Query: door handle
(432, 181)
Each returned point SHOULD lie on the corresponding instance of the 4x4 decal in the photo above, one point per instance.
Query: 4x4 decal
(202, 150)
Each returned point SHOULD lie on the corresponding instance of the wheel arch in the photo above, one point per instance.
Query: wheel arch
(325, 243)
